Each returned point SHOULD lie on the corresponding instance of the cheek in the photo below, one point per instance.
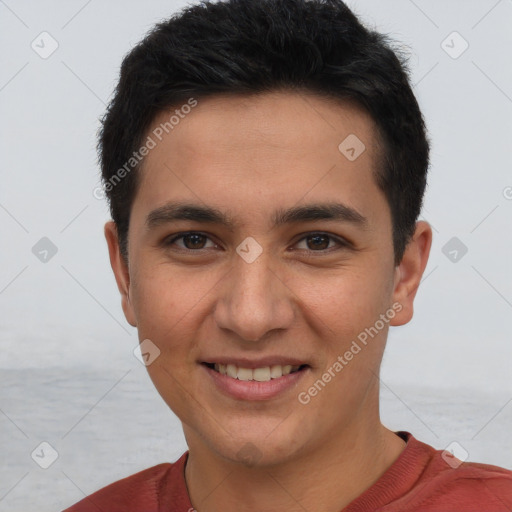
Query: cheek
(164, 305)
(346, 302)
(160, 298)
(169, 305)
(348, 346)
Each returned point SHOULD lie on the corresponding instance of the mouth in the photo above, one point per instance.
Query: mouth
(261, 374)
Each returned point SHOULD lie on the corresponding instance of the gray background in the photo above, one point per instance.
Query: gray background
(67, 369)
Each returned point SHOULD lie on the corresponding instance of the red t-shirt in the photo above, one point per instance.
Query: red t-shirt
(419, 480)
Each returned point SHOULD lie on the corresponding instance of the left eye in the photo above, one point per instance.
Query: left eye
(195, 241)
(321, 241)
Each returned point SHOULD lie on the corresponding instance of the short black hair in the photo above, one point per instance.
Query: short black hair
(257, 46)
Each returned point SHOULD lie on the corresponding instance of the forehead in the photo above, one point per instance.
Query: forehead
(269, 147)
(277, 120)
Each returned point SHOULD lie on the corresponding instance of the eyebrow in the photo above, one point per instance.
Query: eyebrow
(174, 211)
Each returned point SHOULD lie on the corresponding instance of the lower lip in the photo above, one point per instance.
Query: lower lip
(252, 389)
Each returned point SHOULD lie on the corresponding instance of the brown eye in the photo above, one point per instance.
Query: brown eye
(194, 241)
(191, 241)
(319, 242)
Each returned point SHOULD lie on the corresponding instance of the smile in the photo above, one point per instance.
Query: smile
(263, 374)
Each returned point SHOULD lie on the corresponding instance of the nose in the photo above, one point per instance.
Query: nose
(253, 300)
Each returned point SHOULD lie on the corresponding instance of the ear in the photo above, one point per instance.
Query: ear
(408, 273)
(121, 271)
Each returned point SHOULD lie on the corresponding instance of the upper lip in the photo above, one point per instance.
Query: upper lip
(243, 362)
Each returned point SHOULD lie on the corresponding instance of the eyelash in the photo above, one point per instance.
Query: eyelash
(341, 243)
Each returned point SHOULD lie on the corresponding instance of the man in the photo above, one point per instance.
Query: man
(265, 163)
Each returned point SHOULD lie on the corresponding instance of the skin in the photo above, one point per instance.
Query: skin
(248, 156)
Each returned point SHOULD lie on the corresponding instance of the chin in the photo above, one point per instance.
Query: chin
(255, 442)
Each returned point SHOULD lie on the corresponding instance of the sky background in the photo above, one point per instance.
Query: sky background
(65, 347)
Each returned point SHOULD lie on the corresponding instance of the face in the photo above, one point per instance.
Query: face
(277, 280)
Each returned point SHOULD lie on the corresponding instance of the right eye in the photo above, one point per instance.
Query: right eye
(191, 238)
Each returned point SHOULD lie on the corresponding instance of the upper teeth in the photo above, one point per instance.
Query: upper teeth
(259, 374)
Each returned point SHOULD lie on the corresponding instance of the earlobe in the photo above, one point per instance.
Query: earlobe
(410, 270)
(121, 271)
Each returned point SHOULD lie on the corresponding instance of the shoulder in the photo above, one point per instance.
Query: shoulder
(140, 491)
(450, 484)
(479, 483)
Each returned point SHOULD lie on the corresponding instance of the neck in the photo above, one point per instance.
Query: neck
(325, 479)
